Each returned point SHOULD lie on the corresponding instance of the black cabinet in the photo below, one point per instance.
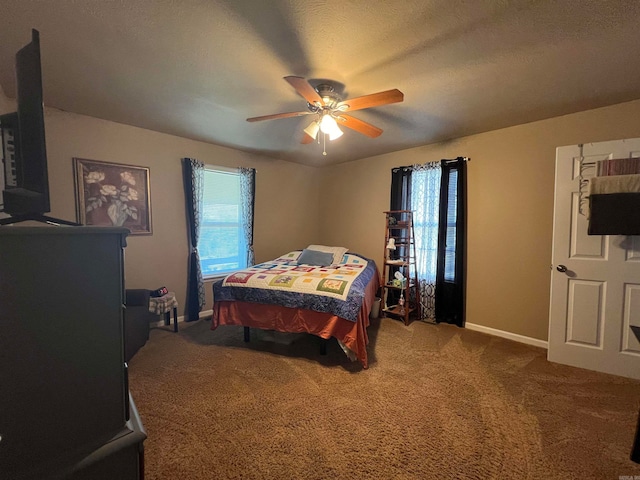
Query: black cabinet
(63, 379)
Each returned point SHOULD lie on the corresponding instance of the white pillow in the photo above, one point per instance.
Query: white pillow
(338, 252)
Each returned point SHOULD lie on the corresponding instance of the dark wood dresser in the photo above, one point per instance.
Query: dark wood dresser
(65, 407)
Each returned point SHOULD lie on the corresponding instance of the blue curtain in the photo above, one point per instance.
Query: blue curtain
(193, 176)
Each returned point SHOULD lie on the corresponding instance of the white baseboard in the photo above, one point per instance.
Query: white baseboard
(471, 326)
(160, 322)
(508, 335)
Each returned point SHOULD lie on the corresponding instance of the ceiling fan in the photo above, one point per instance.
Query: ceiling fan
(330, 109)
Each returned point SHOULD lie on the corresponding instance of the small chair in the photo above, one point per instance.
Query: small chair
(136, 321)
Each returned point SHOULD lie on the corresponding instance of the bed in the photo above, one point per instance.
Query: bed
(302, 291)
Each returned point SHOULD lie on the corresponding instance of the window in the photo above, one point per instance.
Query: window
(452, 219)
(222, 244)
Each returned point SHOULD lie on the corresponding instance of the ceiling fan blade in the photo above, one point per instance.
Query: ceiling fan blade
(359, 126)
(306, 138)
(277, 115)
(373, 100)
(305, 89)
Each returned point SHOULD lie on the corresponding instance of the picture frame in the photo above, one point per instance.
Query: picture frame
(113, 195)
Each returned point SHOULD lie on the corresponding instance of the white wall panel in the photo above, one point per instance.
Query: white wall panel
(585, 315)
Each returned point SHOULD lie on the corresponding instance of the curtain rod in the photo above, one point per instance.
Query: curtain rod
(446, 160)
(457, 159)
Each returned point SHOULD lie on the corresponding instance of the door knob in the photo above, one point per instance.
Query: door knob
(561, 268)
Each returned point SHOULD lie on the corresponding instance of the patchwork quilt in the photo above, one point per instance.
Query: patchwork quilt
(338, 289)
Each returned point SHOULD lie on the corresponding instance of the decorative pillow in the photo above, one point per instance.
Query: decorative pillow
(338, 252)
(315, 257)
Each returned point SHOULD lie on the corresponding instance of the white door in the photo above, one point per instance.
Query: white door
(596, 300)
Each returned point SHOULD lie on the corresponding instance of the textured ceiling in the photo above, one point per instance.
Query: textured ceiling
(199, 68)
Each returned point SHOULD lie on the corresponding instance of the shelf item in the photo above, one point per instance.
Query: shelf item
(389, 285)
(400, 301)
(395, 262)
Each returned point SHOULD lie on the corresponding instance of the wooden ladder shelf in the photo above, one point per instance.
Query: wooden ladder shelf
(400, 299)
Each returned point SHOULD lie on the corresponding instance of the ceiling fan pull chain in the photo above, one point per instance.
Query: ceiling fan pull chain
(324, 144)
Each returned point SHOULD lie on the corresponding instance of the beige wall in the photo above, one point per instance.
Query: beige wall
(285, 218)
(510, 205)
(510, 209)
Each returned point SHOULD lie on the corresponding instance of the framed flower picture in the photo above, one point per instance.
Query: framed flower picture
(113, 195)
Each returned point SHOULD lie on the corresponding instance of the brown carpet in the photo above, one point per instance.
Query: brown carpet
(437, 402)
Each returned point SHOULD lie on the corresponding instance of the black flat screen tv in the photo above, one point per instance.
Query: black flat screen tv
(26, 189)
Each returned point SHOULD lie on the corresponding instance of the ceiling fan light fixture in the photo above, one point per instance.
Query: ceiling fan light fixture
(312, 129)
(328, 123)
(334, 134)
(330, 111)
(329, 126)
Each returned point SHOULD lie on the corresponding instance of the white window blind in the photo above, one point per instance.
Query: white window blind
(452, 222)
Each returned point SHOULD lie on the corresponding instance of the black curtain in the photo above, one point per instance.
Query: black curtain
(401, 188)
(401, 197)
(400, 200)
(450, 275)
(193, 172)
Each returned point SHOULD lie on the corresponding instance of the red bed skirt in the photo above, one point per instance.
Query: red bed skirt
(295, 320)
